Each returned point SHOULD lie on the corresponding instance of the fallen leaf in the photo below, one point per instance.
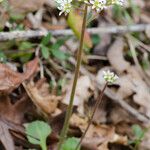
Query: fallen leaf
(97, 134)
(14, 112)
(84, 86)
(10, 79)
(41, 96)
(22, 6)
(115, 56)
(5, 137)
(130, 84)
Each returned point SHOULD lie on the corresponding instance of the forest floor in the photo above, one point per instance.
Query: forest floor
(38, 52)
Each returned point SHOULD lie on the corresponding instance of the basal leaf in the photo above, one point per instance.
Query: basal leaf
(70, 144)
(37, 132)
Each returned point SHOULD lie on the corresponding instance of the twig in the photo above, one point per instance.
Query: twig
(21, 35)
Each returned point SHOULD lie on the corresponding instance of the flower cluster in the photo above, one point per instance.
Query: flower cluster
(98, 4)
(65, 5)
(109, 77)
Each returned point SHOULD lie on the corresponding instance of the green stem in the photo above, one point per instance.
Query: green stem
(43, 145)
(70, 106)
(98, 102)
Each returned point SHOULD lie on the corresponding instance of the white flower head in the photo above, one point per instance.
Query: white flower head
(64, 6)
(98, 4)
(110, 77)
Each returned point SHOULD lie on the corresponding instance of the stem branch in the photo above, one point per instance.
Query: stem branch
(70, 106)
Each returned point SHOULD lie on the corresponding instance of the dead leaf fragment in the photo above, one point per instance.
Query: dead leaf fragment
(14, 112)
(97, 134)
(5, 137)
(41, 97)
(10, 79)
(115, 56)
(84, 86)
(22, 6)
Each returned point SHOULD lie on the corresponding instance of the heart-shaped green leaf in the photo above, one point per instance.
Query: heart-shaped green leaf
(37, 132)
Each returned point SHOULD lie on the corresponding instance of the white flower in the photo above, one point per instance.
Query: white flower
(110, 77)
(98, 4)
(64, 6)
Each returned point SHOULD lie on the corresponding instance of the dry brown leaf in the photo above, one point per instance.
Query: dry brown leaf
(10, 79)
(83, 92)
(126, 86)
(115, 56)
(14, 112)
(5, 137)
(97, 134)
(102, 47)
(26, 6)
(140, 88)
(117, 115)
(41, 97)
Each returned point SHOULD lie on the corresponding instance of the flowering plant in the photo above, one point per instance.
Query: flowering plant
(65, 6)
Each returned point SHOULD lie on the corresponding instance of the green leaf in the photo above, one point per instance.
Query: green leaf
(59, 43)
(24, 58)
(45, 51)
(70, 144)
(16, 16)
(46, 39)
(96, 39)
(60, 54)
(3, 57)
(25, 45)
(117, 12)
(37, 132)
(128, 18)
(138, 132)
(61, 83)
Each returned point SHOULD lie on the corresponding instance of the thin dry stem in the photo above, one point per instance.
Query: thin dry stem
(77, 70)
(98, 102)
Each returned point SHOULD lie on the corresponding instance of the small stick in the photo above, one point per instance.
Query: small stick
(24, 35)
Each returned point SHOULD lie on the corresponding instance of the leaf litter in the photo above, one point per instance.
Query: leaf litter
(38, 98)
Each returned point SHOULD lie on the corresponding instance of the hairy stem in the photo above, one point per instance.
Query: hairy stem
(70, 106)
(98, 102)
